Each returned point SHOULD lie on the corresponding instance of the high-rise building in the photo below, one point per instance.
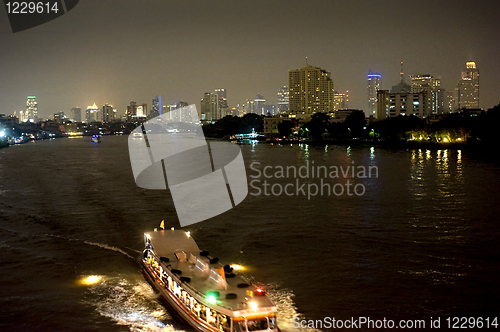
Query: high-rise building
(468, 87)
(131, 110)
(373, 80)
(283, 105)
(209, 110)
(310, 90)
(31, 113)
(340, 100)
(259, 104)
(155, 107)
(435, 102)
(92, 114)
(222, 104)
(142, 111)
(450, 102)
(108, 113)
(76, 114)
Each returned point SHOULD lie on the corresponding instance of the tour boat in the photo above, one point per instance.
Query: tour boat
(206, 294)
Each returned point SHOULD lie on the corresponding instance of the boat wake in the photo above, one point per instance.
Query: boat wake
(131, 304)
(287, 310)
(105, 246)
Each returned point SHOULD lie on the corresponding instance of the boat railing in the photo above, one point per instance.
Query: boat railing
(186, 284)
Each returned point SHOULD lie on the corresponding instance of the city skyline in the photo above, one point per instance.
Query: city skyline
(69, 63)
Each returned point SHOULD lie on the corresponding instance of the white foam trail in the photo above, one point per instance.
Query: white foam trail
(105, 246)
(129, 304)
(286, 309)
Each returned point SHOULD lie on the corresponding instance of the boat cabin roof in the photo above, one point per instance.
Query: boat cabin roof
(206, 275)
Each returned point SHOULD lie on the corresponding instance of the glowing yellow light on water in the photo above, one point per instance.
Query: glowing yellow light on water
(253, 305)
(237, 267)
(90, 280)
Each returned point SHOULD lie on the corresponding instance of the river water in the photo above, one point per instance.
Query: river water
(419, 238)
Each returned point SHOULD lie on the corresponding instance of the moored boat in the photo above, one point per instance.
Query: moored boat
(206, 294)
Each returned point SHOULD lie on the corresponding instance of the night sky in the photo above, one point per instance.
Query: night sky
(117, 51)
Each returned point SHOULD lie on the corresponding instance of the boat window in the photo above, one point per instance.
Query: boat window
(224, 323)
(203, 313)
(212, 317)
(239, 326)
(257, 324)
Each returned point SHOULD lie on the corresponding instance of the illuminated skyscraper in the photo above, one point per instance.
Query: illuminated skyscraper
(434, 94)
(31, 113)
(260, 104)
(222, 105)
(108, 114)
(373, 85)
(209, 110)
(92, 114)
(283, 94)
(310, 90)
(468, 87)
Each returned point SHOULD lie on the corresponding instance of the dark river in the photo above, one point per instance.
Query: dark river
(417, 239)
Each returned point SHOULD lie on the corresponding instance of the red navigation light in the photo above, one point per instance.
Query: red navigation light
(259, 290)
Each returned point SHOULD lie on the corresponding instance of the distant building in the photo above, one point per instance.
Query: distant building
(155, 107)
(108, 113)
(92, 114)
(283, 101)
(222, 102)
(259, 104)
(450, 102)
(270, 110)
(468, 87)
(340, 100)
(31, 114)
(310, 90)
(405, 103)
(401, 87)
(435, 96)
(209, 110)
(373, 85)
(8, 120)
(59, 117)
(76, 114)
(131, 110)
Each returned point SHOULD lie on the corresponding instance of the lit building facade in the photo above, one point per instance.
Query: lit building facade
(209, 110)
(396, 104)
(435, 101)
(340, 100)
(310, 90)
(92, 114)
(468, 87)
(31, 113)
(259, 104)
(222, 102)
(373, 85)
(108, 113)
(283, 100)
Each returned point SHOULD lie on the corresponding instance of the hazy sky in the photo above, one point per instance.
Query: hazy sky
(117, 51)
